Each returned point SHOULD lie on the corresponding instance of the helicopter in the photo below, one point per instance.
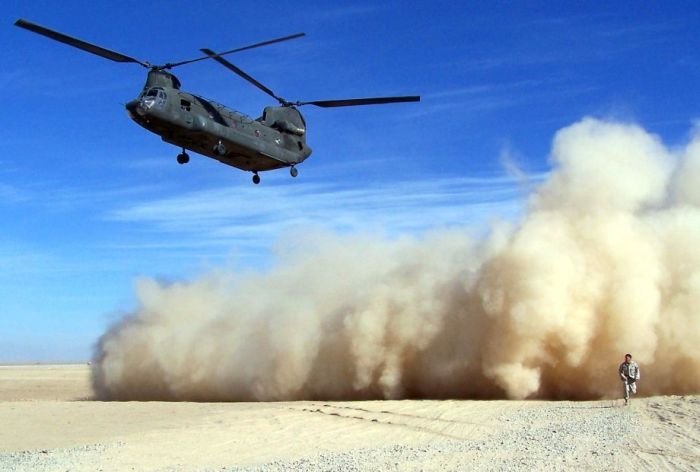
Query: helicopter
(275, 140)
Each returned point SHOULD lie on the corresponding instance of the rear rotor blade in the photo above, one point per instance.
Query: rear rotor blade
(228, 65)
(77, 43)
(230, 51)
(351, 102)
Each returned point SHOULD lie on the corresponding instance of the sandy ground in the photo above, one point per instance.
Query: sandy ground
(50, 423)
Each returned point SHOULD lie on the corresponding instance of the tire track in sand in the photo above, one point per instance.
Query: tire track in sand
(465, 421)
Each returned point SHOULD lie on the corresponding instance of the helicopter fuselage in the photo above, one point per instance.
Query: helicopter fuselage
(275, 140)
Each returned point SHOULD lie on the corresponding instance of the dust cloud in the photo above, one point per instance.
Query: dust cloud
(606, 260)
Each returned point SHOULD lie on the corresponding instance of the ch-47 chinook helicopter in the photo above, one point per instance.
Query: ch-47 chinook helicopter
(277, 139)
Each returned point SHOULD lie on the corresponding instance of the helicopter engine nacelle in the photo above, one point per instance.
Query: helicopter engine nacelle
(289, 127)
(284, 119)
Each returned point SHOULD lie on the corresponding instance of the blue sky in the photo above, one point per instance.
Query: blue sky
(89, 201)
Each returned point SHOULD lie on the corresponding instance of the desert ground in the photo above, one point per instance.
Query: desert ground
(50, 423)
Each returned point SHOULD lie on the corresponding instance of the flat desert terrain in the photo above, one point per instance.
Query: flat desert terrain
(49, 423)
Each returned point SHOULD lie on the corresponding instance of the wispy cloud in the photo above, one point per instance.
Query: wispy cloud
(16, 259)
(12, 194)
(487, 97)
(257, 218)
(56, 196)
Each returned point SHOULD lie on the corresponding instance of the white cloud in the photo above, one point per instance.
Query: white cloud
(257, 217)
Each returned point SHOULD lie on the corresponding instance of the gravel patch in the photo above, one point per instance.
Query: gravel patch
(570, 436)
(85, 457)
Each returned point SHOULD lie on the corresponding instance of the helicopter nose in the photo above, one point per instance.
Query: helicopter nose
(135, 108)
(131, 106)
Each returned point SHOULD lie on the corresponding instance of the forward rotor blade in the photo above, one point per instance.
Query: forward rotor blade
(77, 43)
(264, 43)
(228, 65)
(351, 102)
(230, 51)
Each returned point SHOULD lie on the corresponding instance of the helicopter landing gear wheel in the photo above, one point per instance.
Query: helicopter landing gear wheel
(256, 178)
(293, 171)
(219, 149)
(183, 158)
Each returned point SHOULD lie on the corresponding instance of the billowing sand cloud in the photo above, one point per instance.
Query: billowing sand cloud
(606, 260)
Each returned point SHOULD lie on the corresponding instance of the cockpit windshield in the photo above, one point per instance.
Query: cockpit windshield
(156, 92)
(155, 96)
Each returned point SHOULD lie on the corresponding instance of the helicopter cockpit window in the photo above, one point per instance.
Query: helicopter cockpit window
(156, 92)
(154, 97)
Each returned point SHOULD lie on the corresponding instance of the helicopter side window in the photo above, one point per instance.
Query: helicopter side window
(185, 105)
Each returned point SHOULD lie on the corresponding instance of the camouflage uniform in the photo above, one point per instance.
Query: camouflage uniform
(629, 374)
